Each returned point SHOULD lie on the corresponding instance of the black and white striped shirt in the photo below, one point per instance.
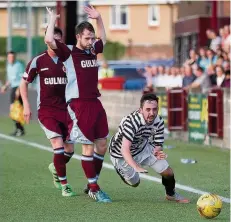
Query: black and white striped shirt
(134, 128)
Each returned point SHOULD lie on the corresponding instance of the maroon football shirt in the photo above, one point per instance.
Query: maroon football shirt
(82, 70)
(52, 80)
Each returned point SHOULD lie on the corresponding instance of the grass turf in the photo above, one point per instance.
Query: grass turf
(27, 192)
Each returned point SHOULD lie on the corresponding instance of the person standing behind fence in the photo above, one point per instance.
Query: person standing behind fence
(15, 71)
(105, 71)
(189, 76)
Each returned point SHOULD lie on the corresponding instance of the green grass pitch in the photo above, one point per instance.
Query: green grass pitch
(27, 192)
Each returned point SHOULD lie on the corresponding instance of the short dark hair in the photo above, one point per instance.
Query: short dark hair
(11, 52)
(84, 25)
(57, 30)
(148, 96)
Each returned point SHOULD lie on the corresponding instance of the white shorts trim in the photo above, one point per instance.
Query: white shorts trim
(76, 135)
(49, 134)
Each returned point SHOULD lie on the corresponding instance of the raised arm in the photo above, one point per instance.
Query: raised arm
(94, 14)
(49, 37)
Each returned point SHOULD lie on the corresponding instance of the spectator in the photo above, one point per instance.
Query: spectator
(105, 71)
(212, 75)
(189, 76)
(226, 56)
(15, 70)
(182, 71)
(192, 61)
(202, 81)
(215, 40)
(222, 81)
(161, 77)
(212, 58)
(202, 61)
(154, 75)
(176, 78)
(169, 78)
(148, 76)
(227, 40)
(222, 35)
(154, 71)
(219, 52)
(220, 61)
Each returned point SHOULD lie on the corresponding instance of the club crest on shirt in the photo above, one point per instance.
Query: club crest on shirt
(93, 51)
(64, 69)
(153, 131)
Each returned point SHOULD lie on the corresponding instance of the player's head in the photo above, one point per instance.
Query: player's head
(149, 107)
(58, 35)
(11, 57)
(85, 35)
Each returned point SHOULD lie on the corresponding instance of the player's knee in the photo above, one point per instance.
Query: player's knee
(168, 172)
(87, 149)
(134, 181)
(56, 142)
(101, 146)
(68, 147)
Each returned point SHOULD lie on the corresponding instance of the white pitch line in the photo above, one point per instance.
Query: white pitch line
(109, 166)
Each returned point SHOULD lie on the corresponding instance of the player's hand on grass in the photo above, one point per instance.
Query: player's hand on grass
(52, 13)
(91, 12)
(27, 114)
(140, 170)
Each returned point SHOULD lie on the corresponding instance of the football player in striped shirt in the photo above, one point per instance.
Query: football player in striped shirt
(138, 142)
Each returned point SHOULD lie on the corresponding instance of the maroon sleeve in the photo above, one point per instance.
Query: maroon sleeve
(98, 46)
(62, 51)
(31, 71)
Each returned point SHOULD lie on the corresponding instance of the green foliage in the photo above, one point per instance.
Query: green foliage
(19, 45)
(38, 45)
(2, 70)
(3, 45)
(113, 50)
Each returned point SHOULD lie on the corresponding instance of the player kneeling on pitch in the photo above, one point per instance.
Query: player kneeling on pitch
(138, 142)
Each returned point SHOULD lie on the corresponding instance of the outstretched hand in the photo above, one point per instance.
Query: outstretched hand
(91, 12)
(52, 13)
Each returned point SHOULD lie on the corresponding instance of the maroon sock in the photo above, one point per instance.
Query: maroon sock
(89, 170)
(98, 162)
(60, 164)
(67, 156)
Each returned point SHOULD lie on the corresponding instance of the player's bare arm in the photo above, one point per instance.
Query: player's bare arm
(26, 105)
(49, 37)
(125, 151)
(94, 14)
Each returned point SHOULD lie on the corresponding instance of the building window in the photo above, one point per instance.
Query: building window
(153, 15)
(119, 17)
(19, 17)
(45, 17)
